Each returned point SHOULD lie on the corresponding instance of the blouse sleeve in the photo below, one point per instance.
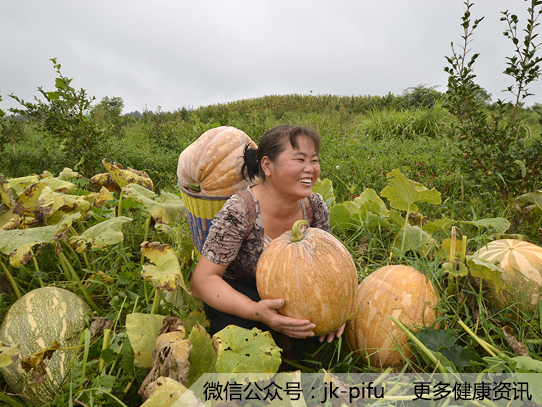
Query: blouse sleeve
(320, 212)
(227, 232)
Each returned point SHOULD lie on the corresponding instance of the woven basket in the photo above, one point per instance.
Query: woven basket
(201, 209)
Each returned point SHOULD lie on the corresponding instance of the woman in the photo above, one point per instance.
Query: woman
(224, 279)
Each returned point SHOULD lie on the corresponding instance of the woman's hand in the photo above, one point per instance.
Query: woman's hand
(267, 311)
(332, 335)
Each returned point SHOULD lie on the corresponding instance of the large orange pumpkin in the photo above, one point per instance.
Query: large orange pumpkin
(212, 164)
(315, 275)
(521, 263)
(395, 290)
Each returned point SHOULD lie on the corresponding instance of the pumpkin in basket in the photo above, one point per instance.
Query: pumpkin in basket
(395, 290)
(521, 264)
(313, 272)
(212, 164)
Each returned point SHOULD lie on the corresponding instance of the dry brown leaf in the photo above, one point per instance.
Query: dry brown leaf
(518, 348)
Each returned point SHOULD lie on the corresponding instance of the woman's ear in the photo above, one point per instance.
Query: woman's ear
(266, 164)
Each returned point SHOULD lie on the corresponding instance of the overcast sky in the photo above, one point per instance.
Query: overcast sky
(175, 53)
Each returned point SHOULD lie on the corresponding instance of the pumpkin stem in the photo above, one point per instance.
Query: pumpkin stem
(296, 231)
(194, 187)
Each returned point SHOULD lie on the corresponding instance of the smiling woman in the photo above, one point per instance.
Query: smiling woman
(286, 161)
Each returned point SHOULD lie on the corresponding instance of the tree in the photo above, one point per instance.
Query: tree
(65, 114)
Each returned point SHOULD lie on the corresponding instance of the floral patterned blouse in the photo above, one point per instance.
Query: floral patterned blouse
(225, 243)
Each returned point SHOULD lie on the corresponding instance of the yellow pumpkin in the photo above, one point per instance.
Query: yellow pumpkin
(396, 290)
(521, 263)
(212, 164)
(313, 272)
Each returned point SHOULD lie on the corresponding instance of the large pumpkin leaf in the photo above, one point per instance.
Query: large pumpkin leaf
(197, 316)
(7, 192)
(19, 243)
(500, 225)
(165, 208)
(532, 198)
(241, 350)
(416, 240)
(165, 392)
(325, 189)
(181, 240)
(68, 174)
(166, 273)
(21, 183)
(202, 358)
(438, 224)
(100, 235)
(402, 192)
(485, 270)
(58, 185)
(98, 199)
(124, 177)
(60, 204)
(369, 201)
(142, 330)
(27, 202)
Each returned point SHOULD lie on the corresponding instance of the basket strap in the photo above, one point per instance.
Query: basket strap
(308, 210)
(251, 204)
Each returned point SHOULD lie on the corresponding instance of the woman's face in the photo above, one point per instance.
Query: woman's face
(294, 171)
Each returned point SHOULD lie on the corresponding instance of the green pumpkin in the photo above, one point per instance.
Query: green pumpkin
(34, 321)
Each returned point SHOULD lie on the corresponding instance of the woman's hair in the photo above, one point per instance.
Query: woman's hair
(272, 144)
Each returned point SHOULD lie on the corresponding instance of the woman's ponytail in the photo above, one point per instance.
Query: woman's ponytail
(250, 163)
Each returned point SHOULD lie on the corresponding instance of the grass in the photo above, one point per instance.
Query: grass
(363, 139)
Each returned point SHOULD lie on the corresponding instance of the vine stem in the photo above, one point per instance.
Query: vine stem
(156, 301)
(63, 259)
(11, 280)
(487, 346)
(423, 348)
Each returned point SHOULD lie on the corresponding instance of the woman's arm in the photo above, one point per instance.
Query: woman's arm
(209, 286)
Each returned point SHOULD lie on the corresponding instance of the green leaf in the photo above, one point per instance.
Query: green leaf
(500, 225)
(167, 392)
(325, 188)
(8, 354)
(460, 356)
(241, 350)
(196, 317)
(535, 385)
(416, 240)
(202, 357)
(528, 363)
(485, 270)
(456, 269)
(142, 330)
(100, 235)
(532, 198)
(341, 217)
(18, 243)
(68, 174)
(369, 201)
(129, 176)
(436, 339)
(166, 208)
(166, 273)
(439, 224)
(402, 192)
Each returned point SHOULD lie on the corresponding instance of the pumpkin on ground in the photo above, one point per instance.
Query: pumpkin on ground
(34, 321)
(212, 164)
(395, 290)
(313, 272)
(521, 264)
